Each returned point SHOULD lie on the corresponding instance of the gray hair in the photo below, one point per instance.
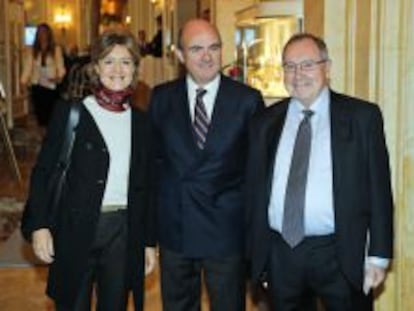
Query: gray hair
(323, 49)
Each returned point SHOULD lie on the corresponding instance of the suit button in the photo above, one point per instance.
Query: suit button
(104, 150)
(100, 181)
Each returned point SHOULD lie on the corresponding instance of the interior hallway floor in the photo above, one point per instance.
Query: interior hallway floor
(22, 288)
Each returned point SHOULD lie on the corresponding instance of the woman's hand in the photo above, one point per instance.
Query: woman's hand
(55, 80)
(150, 259)
(42, 243)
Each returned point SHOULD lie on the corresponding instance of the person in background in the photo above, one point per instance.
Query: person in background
(200, 136)
(155, 46)
(71, 56)
(43, 70)
(143, 45)
(104, 228)
(319, 198)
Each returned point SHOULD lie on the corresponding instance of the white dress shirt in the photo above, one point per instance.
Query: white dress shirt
(208, 99)
(318, 213)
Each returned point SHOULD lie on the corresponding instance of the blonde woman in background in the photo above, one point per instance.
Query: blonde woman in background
(43, 69)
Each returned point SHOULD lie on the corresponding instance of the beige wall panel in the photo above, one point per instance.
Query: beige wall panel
(139, 10)
(225, 21)
(335, 37)
(405, 222)
(371, 43)
(362, 48)
(314, 16)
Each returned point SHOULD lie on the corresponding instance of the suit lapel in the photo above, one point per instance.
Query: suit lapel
(139, 134)
(272, 133)
(220, 113)
(90, 128)
(136, 126)
(183, 126)
(182, 115)
(341, 134)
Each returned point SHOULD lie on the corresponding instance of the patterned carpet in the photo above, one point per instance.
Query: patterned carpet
(10, 214)
(14, 251)
(26, 137)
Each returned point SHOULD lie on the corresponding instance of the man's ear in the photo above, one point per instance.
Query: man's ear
(179, 55)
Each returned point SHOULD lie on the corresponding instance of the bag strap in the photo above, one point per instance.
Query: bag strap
(55, 189)
(70, 134)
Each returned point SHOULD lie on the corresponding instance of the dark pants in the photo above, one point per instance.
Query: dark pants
(181, 282)
(43, 101)
(311, 268)
(106, 267)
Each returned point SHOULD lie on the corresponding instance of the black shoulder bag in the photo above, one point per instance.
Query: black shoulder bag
(31, 219)
(57, 180)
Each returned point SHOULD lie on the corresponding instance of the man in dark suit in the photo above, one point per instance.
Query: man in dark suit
(200, 126)
(322, 224)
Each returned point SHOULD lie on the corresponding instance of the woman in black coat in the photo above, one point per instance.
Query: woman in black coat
(103, 232)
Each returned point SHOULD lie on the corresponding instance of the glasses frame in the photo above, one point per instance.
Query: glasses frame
(305, 66)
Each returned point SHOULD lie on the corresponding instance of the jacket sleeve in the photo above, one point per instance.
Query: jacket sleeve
(381, 224)
(151, 210)
(35, 214)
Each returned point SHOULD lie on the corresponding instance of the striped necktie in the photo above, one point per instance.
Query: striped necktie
(201, 121)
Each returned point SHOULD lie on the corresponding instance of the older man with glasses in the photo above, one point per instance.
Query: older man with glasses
(319, 198)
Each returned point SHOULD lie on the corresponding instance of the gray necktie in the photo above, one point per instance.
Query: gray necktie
(201, 121)
(293, 229)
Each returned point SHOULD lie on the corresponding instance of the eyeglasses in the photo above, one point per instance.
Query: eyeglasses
(306, 65)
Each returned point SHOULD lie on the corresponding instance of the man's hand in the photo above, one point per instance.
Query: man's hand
(150, 259)
(42, 243)
(374, 276)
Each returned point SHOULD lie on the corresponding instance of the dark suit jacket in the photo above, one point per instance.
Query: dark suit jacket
(361, 183)
(82, 198)
(200, 210)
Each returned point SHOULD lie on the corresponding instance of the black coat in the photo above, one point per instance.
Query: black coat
(82, 198)
(361, 184)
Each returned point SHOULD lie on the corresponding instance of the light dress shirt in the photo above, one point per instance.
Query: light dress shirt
(208, 99)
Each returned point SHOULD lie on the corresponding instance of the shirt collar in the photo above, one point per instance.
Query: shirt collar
(210, 87)
(319, 106)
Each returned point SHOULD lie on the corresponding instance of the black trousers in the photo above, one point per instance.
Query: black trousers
(106, 267)
(311, 269)
(181, 280)
(43, 101)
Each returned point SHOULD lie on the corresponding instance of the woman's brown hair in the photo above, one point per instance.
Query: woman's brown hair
(104, 45)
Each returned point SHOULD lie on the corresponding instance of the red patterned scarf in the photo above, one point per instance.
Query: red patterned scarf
(116, 101)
